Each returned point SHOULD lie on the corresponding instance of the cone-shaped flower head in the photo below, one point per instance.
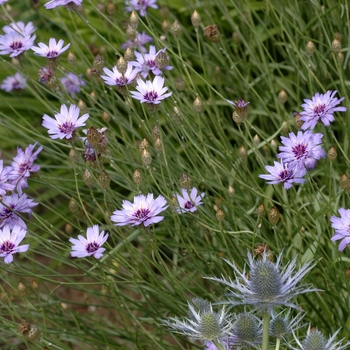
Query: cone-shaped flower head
(203, 323)
(268, 285)
(281, 325)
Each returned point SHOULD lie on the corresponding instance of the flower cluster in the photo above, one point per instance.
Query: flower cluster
(14, 82)
(70, 4)
(140, 6)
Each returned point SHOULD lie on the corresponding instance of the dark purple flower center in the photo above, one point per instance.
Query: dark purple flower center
(24, 167)
(285, 175)
(189, 205)
(320, 109)
(300, 151)
(151, 64)
(151, 96)
(52, 54)
(142, 3)
(7, 211)
(122, 81)
(142, 213)
(16, 45)
(7, 247)
(66, 127)
(92, 247)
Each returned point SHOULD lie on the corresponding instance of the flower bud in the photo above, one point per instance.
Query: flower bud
(93, 136)
(93, 97)
(146, 157)
(158, 145)
(236, 37)
(231, 191)
(68, 229)
(21, 289)
(180, 84)
(176, 28)
(130, 32)
(242, 153)
(161, 60)
(212, 33)
(297, 122)
(282, 96)
(345, 182)
(33, 332)
(347, 273)
(111, 8)
(122, 65)
(273, 215)
(273, 144)
(105, 117)
(73, 206)
(220, 215)
(73, 155)
(137, 177)
(104, 180)
(332, 153)
(165, 26)
(198, 105)
(88, 178)
(45, 74)
(185, 181)
(285, 127)
(144, 145)
(129, 54)
(336, 45)
(72, 60)
(133, 20)
(256, 139)
(196, 19)
(237, 118)
(83, 107)
(164, 11)
(310, 48)
(97, 65)
(261, 210)
(155, 132)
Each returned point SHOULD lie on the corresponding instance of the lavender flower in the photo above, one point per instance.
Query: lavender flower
(70, 4)
(14, 44)
(241, 107)
(138, 43)
(203, 323)
(91, 245)
(45, 74)
(22, 167)
(14, 82)
(72, 83)
(320, 108)
(10, 206)
(66, 122)
(9, 242)
(284, 173)
(141, 6)
(20, 28)
(146, 62)
(3, 1)
(342, 228)
(52, 51)
(189, 203)
(267, 286)
(144, 211)
(115, 78)
(4, 178)
(302, 150)
(150, 92)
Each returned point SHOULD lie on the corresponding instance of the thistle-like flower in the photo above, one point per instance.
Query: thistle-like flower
(144, 211)
(320, 108)
(267, 285)
(203, 323)
(281, 325)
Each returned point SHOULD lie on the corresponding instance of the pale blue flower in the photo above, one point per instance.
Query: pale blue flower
(342, 228)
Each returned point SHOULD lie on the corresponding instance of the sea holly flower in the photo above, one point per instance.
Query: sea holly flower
(4, 179)
(138, 43)
(70, 4)
(342, 228)
(9, 242)
(151, 92)
(115, 78)
(189, 202)
(14, 43)
(10, 206)
(203, 323)
(143, 211)
(91, 245)
(72, 83)
(302, 150)
(140, 6)
(267, 286)
(65, 122)
(146, 62)
(23, 165)
(284, 173)
(52, 51)
(20, 28)
(14, 82)
(320, 108)
(281, 325)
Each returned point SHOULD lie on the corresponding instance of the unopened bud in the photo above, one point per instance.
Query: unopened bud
(237, 118)
(73, 155)
(93, 97)
(161, 60)
(196, 19)
(180, 84)
(33, 332)
(285, 127)
(129, 54)
(242, 153)
(82, 106)
(89, 73)
(21, 289)
(212, 33)
(185, 181)
(158, 145)
(73, 206)
(130, 32)
(261, 210)
(273, 215)
(231, 191)
(176, 28)
(88, 178)
(332, 153)
(236, 37)
(144, 145)
(155, 132)
(273, 144)
(256, 139)
(111, 8)
(98, 65)
(72, 60)
(345, 182)
(106, 117)
(137, 177)
(104, 180)
(122, 65)
(165, 26)
(282, 96)
(133, 20)
(297, 121)
(146, 157)
(164, 11)
(68, 229)
(336, 45)
(220, 215)
(310, 48)
(198, 105)
(93, 136)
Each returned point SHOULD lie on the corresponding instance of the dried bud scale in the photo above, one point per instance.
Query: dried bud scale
(212, 33)
(282, 96)
(185, 181)
(256, 140)
(68, 229)
(340, 57)
(165, 26)
(332, 153)
(21, 289)
(164, 11)
(162, 60)
(155, 132)
(83, 107)
(146, 158)
(273, 215)
(144, 145)
(220, 215)
(336, 45)
(33, 332)
(137, 177)
(104, 180)
(93, 136)
(93, 97)
(285, 127)
(196, 19)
